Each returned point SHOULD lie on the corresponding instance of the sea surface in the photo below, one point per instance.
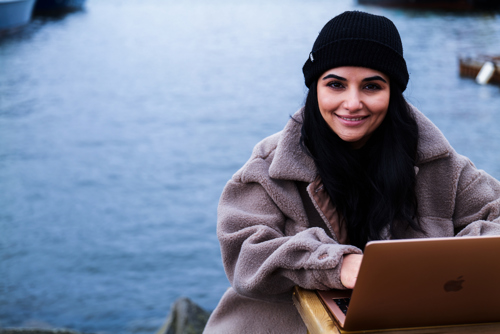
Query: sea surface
(120, 125)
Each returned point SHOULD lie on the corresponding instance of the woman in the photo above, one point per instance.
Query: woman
(357, 163)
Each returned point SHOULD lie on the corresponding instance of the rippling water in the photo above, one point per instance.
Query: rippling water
(120, 124)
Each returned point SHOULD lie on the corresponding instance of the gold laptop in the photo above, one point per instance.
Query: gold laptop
(422, 282)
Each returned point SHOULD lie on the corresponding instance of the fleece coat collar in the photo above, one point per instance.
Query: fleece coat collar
(292, 163)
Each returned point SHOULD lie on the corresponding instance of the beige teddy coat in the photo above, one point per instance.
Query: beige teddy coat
(277, 228)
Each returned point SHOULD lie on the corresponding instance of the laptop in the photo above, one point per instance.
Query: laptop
(421, 282)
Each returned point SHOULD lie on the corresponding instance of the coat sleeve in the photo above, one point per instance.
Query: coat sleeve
(477, 206)
(261, 260)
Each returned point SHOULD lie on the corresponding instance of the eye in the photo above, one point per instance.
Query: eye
(335, 84)
(372, 86)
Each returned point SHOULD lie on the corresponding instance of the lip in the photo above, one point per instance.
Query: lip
(351, 120)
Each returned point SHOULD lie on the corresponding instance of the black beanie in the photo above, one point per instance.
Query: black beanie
(358, 39)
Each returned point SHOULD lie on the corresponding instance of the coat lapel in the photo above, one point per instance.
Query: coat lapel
(290, 161)
(431, 142)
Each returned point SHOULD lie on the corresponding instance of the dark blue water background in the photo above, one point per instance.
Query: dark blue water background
(120, 124)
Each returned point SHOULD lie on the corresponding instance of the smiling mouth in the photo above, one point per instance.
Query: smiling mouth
(352, 119)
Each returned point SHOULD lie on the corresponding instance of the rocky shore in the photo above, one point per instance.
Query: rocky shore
(185, 317)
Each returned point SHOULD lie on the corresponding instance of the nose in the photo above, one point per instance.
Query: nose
(352, 101)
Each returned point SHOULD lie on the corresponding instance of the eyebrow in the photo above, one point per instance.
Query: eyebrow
(375, 77)
(333, 76)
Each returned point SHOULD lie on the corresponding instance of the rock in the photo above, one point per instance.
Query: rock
(185, 318)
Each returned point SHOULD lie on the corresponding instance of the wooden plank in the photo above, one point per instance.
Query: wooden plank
(318, 320)
(313, 313)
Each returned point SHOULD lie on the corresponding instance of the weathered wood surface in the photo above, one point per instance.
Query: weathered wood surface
(313, 313)
(318, 320)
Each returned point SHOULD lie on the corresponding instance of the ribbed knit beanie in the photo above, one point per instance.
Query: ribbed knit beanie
(358, 39)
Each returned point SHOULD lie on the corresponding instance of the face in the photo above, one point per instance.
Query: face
(353, 101)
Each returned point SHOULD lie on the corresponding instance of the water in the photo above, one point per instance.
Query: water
(120, 125)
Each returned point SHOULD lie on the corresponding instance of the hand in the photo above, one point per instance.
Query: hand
(350, 269)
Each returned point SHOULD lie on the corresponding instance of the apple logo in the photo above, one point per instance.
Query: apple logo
(454, 285)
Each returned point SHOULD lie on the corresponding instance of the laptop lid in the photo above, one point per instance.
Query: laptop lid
(425, 282)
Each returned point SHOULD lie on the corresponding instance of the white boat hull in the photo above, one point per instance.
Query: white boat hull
(15, 13)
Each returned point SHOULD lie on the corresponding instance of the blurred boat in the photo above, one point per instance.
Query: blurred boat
(15, 13)
(472, 66)
(55, 6)
(436, 4)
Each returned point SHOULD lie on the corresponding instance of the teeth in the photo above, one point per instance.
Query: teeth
(352, 119)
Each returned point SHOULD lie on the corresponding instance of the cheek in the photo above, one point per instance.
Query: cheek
(321, 100)
(327, 103)
(380, 105)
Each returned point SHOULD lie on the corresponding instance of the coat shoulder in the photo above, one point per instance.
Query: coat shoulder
(259, 162)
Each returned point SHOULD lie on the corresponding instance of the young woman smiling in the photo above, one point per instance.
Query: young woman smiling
(356, 163)
(353, 101)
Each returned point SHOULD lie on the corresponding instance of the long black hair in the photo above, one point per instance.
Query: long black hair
(374, 186)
